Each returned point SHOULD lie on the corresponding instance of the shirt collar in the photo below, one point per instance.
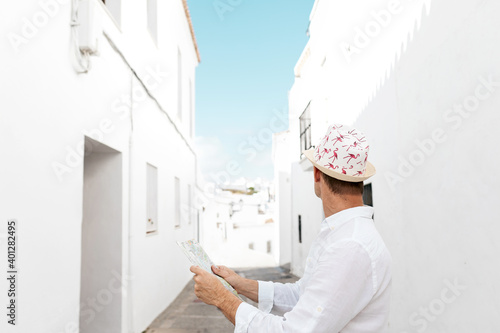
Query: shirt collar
(345, 215)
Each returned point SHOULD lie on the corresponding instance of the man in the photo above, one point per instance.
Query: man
(347, 280)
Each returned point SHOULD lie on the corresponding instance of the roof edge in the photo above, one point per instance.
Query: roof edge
(191, 29)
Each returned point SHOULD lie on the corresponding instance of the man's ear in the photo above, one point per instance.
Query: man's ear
(317, 175)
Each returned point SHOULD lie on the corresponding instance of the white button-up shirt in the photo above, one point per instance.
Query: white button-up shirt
(345, 288)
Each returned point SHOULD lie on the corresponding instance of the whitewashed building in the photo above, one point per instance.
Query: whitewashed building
(282, 157)
(98, 166)
(422, 80)
(237, 226)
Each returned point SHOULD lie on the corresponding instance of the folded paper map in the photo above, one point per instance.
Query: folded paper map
(198, 257)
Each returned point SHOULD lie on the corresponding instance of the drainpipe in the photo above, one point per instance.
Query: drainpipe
(130, 308)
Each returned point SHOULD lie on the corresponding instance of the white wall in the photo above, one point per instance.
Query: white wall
(283, 183)
(439, 221)
(47, 110)
(160, 269)
(436, 216)
(309, 207)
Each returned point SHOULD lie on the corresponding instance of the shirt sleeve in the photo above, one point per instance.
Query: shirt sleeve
(266, 296)
(340, 287)
(277, 296)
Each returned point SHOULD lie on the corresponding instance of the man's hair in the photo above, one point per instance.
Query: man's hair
(341, 187)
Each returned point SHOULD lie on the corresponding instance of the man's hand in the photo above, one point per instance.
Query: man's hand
(229, 275)
(207, 288)
(247, 287)
(210, 290)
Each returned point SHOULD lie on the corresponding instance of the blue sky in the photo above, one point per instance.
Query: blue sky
(248, 52)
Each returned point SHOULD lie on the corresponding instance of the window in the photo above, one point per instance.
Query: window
(367, 195)
(179, 84)
(269, 248)
(190, 202)
(152, 9)
(305, 129)
(152, 199)
(250, 246)
(177, 200)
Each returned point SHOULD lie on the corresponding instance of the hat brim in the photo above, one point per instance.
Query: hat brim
(370, 170)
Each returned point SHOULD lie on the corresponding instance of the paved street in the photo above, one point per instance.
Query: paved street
(188, 315)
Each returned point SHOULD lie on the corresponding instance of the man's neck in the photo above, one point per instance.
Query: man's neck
(334, 204)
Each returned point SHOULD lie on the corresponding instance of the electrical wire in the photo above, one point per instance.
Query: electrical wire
(148, 92)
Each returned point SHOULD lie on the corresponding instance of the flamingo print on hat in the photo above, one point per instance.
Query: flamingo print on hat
(343, 150)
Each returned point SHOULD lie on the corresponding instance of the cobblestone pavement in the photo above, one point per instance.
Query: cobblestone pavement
(187, 314)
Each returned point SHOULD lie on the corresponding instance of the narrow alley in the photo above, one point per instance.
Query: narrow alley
(187, 314)
(350, 144)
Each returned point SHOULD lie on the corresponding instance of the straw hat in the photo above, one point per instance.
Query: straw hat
(342, 154)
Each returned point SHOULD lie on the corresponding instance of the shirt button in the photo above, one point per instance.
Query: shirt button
(319, 309)
(332, 228)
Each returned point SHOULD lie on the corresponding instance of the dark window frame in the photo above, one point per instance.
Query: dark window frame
(300, 229)
(305, 129)
(368, 195)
